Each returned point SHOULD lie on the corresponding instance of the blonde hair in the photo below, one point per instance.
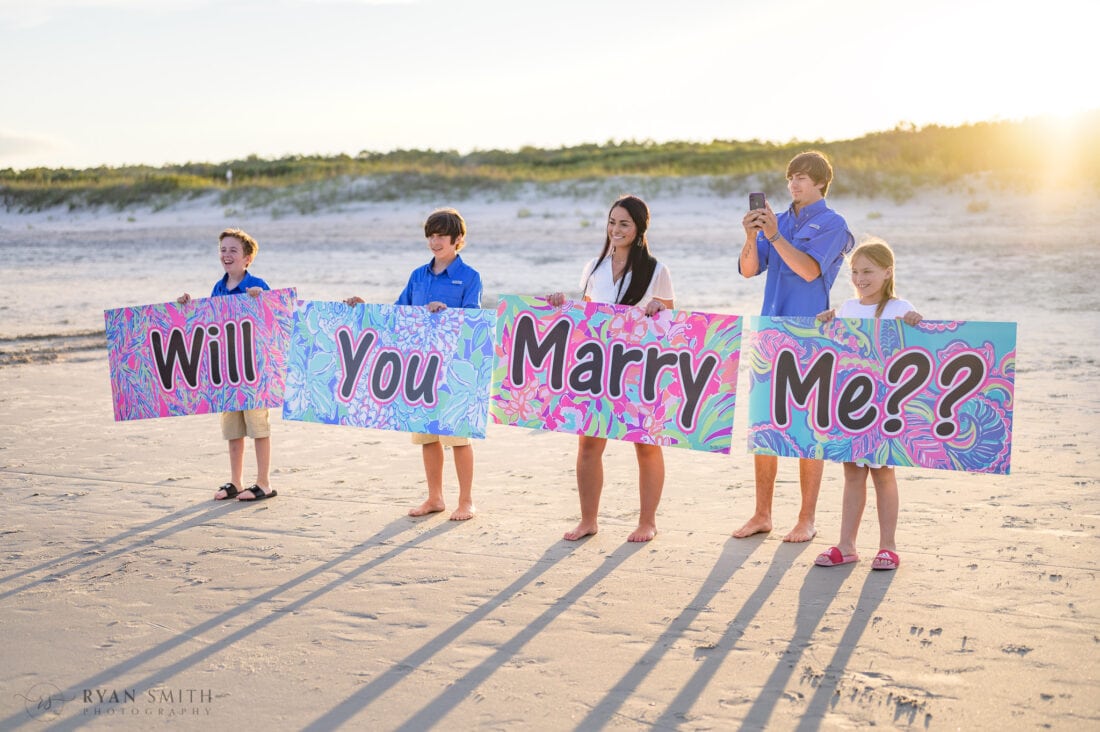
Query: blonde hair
(880, 253)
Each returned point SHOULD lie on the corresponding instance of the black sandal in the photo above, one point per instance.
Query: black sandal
(257, 493)
(230, 492)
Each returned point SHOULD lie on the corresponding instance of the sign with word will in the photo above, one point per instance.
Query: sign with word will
(216, 354)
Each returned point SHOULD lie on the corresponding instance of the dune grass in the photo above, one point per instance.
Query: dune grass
(894, 163)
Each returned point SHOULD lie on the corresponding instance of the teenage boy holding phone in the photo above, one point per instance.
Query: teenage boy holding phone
(801, 250)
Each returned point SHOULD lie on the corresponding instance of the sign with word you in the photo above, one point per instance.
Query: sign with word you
(610, 371)
(216, 354)
(935, 395)
(391, 367)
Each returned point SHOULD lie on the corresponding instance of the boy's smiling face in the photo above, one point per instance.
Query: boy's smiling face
(443, 246)
(234, 260)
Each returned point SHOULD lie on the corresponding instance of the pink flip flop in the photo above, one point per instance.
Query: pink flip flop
(885, 559)
(833, 558)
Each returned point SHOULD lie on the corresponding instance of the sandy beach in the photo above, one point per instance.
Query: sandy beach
(130, 599)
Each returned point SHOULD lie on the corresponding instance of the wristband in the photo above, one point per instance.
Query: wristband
(773, 239)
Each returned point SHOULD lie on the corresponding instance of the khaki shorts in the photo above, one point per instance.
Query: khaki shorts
(419, 438)
(249, 423)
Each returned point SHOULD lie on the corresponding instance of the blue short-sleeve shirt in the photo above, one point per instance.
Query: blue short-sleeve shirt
(249, 281)
(818, 231)
(458, 286)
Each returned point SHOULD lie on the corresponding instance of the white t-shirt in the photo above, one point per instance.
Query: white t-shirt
(896, 308)
(602, 288)
(853, 309)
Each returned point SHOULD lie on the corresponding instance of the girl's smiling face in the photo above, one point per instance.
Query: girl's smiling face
(869, 279)
(234, 260)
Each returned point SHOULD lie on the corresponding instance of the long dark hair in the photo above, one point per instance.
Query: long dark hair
(640, 263)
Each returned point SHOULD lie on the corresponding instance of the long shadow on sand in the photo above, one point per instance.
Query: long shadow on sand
(679, 708)
(130, 537)
(870, 597)
(819, 589)
(460, 689)
(107, 676)
(734, 554)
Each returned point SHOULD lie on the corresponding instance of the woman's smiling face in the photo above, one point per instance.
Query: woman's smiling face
(621, 229)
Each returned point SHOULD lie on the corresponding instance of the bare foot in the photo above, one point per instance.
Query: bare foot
(802, 531)
(464, 512)
(428, 506)
(644, 532)
(755, 525)
(581, 531)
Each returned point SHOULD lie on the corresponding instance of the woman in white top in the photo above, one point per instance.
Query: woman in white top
(624, 273)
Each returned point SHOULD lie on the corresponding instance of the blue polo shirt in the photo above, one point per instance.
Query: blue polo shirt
(818, 231)
(248, 281)
(458, 286)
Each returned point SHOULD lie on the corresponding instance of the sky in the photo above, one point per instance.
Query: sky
(115, 82)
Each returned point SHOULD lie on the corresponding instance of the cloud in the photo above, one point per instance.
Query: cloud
(359, 2)
(22, 14)
(15, 145)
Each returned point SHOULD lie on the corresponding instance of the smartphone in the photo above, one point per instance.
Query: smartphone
(756, 200)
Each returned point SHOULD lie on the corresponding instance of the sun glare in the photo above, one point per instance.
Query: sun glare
(1066, 148)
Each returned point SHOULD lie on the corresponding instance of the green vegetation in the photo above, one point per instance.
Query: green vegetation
(1019, 155)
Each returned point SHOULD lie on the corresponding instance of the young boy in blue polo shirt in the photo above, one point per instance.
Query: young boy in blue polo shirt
(444, 282)
(237, 250)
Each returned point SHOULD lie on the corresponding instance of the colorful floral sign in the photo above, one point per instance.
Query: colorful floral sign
(217, 354)
(391, 367)
(935, 395)
(610, 371)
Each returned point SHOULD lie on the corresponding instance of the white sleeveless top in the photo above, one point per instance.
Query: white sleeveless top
(600, 287)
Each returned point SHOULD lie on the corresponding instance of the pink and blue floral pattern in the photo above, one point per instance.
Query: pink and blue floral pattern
(231, 355)
(536, 403)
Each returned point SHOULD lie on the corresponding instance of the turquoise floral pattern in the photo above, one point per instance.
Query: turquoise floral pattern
(390, 386)
(947, 423)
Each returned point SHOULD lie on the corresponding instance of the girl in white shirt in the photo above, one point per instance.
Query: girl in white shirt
(873, 278)
(624, 273)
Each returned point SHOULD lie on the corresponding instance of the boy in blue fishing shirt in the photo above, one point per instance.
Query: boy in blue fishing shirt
(236, 251)
(801, 251)
(444, 282)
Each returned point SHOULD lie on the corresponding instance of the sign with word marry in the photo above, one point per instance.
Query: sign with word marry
(935, 395)
(610, 371)
(391, 367)
(216, 354)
